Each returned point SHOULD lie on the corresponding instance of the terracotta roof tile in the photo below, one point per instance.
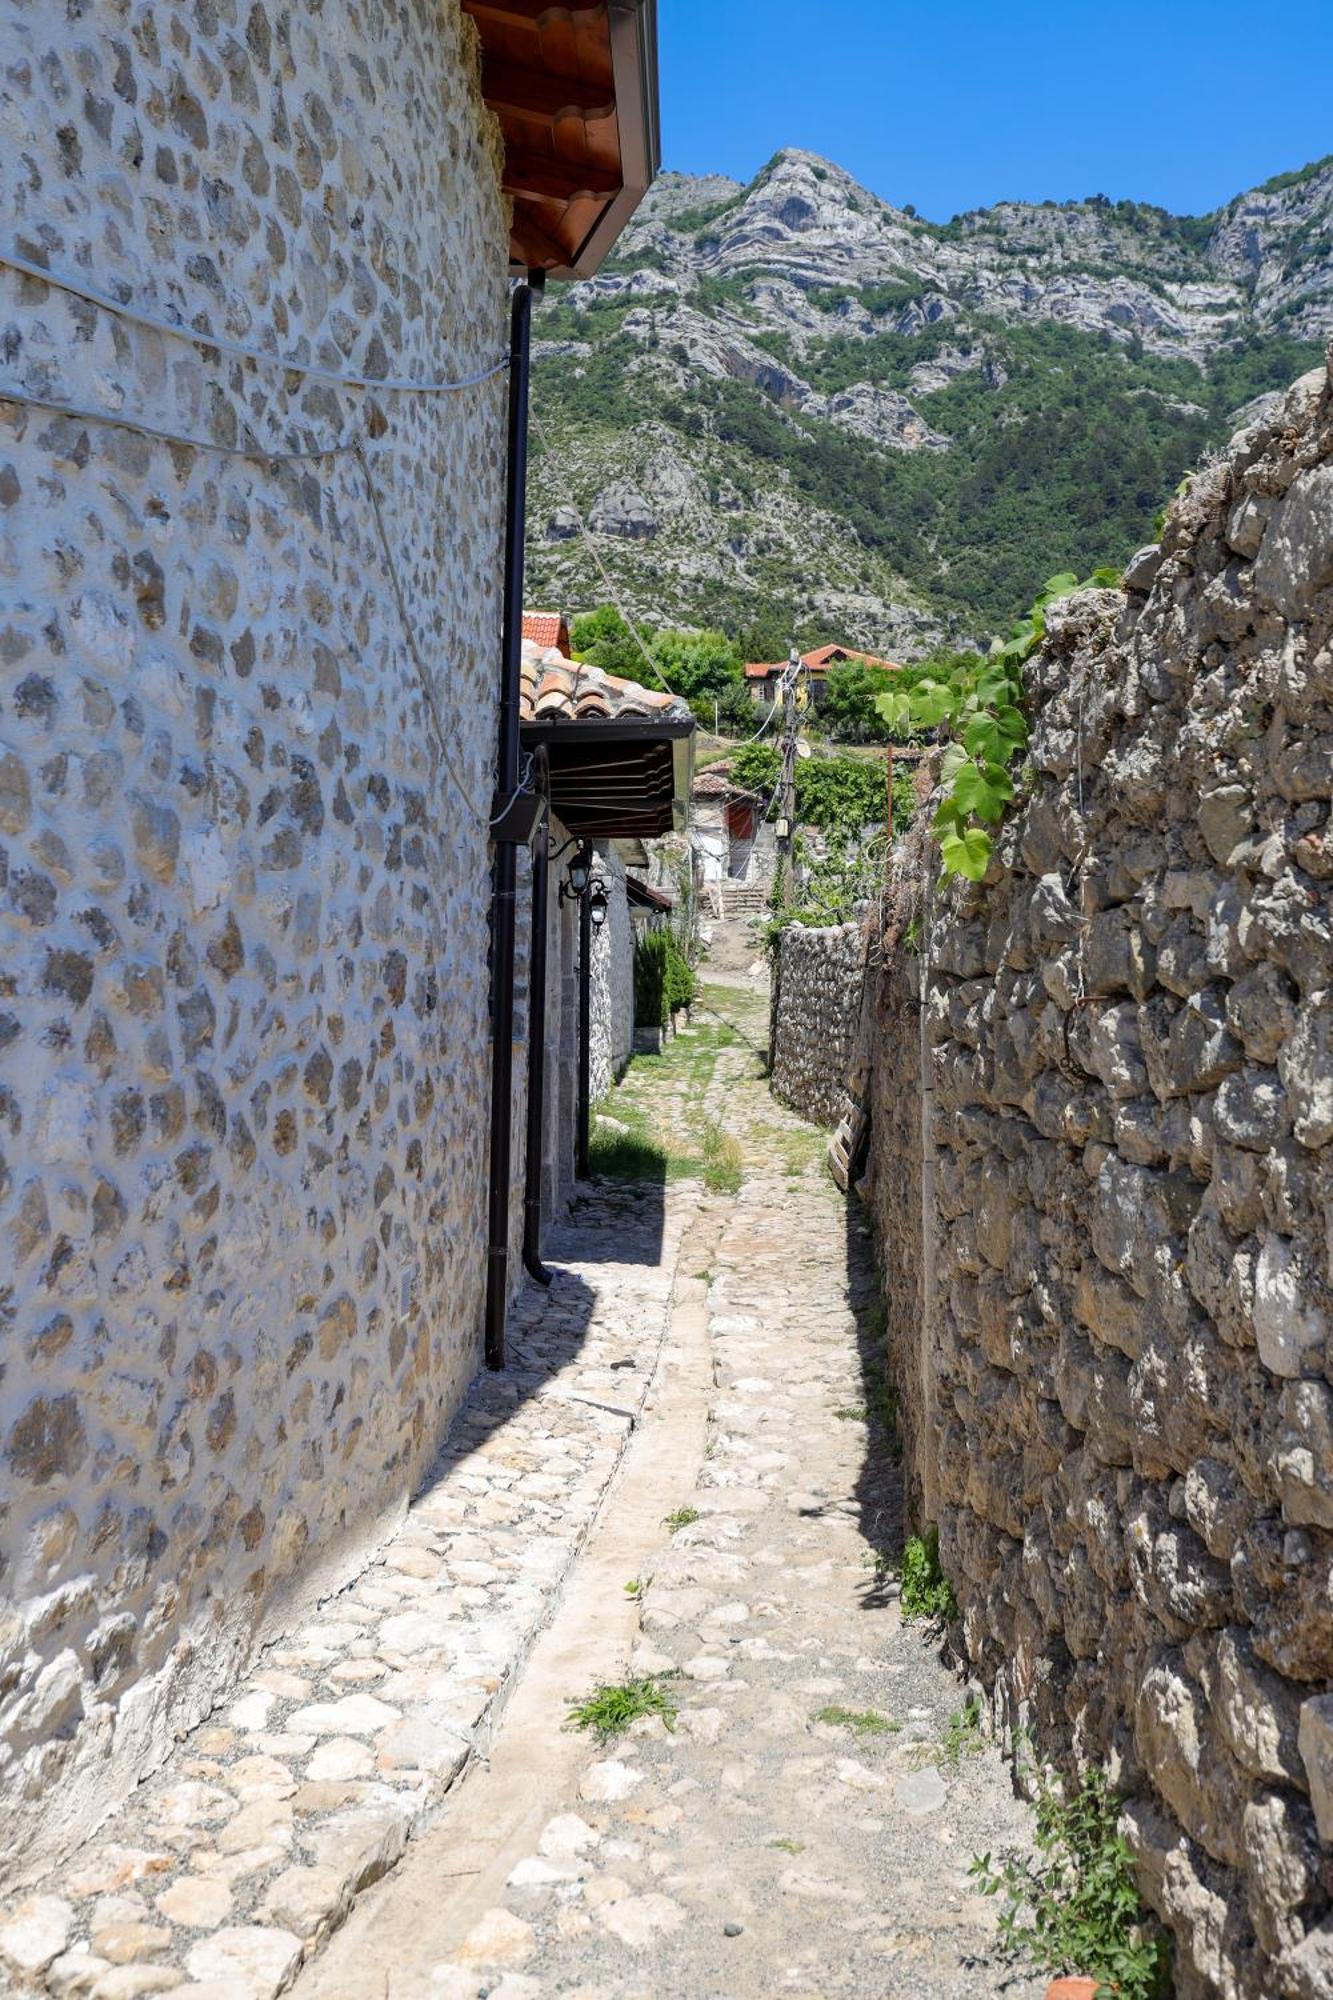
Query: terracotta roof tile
(556, 689)
(545, 629)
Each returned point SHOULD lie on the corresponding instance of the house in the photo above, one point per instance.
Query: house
(267, 794)
(547, 630)
(734, 845)
(764, 680)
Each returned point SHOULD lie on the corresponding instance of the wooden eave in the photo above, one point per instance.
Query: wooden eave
(574, 87)
(617, 780)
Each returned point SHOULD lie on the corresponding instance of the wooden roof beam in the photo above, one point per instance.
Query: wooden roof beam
(543, 179)
(535, 93)
(536, 247)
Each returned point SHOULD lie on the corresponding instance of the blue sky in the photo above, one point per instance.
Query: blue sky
(959, 103)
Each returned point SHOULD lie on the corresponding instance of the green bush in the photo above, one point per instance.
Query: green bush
(663, 979)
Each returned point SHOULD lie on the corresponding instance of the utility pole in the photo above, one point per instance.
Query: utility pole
(787, 789)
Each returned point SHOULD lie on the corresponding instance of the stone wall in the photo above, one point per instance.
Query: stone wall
(817, 982)
(611, 995)
(243, 904)
(1119, 1311)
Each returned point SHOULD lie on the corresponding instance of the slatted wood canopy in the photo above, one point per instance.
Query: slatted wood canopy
(574, 86)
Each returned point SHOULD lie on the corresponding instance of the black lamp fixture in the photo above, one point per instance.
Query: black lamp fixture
(578, 871)
(599, 905)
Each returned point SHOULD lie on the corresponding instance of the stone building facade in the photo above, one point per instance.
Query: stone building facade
(1102, 1170)
(612, 970)
(243, 882)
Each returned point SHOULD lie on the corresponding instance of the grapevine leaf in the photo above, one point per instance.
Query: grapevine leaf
(966, 853)
(983, 739)
(894, 707)
(952, 762)
(932, 703)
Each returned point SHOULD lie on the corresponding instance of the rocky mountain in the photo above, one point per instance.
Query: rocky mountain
(792, 407)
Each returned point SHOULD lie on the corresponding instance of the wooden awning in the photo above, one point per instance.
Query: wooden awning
(616, 784)
(574, 86)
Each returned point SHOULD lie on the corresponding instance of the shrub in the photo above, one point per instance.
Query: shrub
(1076, 1908)
(663, 979)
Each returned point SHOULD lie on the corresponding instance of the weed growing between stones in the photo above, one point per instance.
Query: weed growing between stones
(862, 1722)
(1076, 1907)
(787, 1846)
(723, 1160)
(610, 1709)
(882, 1401)
(634, 1588)
(851, 1413)
(682, 1518)
(626, 1156)
(962, 1735)
(926, 1591)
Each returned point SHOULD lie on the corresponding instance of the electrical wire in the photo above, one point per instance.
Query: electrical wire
(77, 289)
(423, 677)
(614, 600)
(264, 455)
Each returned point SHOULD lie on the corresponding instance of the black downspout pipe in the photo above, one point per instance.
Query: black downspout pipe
(583, 1117)
(532, 1170)
(506, 851)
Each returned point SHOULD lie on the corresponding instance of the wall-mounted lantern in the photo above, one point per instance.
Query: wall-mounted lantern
(599, 905)
(578, 873)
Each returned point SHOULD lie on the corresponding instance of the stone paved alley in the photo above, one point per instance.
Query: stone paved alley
(755, 1849)
(685, 1473)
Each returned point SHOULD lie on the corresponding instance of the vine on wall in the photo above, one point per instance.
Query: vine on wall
(980, 708)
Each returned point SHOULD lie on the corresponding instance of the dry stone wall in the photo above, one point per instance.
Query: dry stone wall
(817, 987)
(1119, 1314)
(243, 904)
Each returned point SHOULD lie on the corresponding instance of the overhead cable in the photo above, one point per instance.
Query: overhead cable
(78, 289)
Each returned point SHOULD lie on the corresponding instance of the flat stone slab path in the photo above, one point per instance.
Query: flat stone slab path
(685, 1473)
(231, 1866)
(807, 1825)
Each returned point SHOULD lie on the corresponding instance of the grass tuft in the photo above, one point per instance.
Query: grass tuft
(862, 1721)
(610, 1709)
(724, 1162)
(682, 1518)
(962, 1735)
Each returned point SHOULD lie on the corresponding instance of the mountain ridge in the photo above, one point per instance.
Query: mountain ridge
(791, 403)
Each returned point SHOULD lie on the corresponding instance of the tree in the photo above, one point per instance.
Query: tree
(848, 709)
(602, 639)
(699, 665)
(737, 714)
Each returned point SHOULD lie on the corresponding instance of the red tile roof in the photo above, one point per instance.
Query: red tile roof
(819, 661)
(555, 689)
(717, 783)
(546, 628)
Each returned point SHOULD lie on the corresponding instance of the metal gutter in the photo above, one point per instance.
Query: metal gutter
(532, 1159)
(508, 835)
(583, 1118)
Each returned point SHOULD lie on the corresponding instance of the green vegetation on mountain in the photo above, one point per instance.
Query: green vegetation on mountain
(837, 421)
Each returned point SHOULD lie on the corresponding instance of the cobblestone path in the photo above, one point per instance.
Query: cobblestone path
(685, 1473)
(806, 1826)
